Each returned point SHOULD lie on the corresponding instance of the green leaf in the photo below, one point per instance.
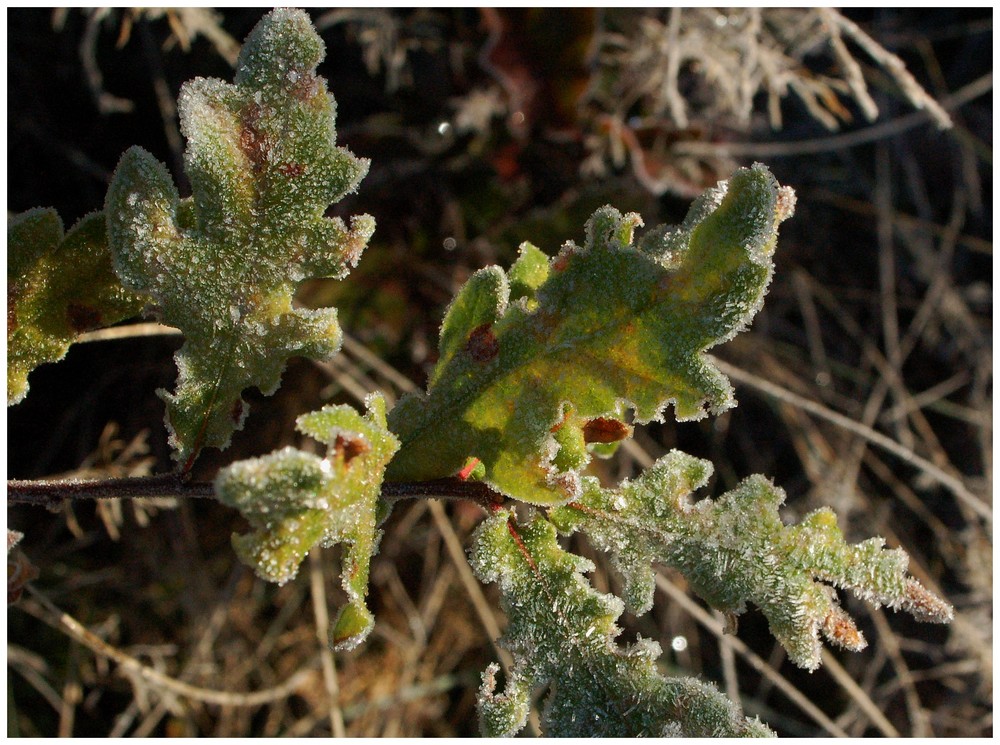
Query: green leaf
(536, 367)
(562, 635)
(295, 500)
(58, 286)
(735, 550)
(223, 265)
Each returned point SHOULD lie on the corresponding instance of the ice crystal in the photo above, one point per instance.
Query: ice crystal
(735, 549)
(562, 635)
(223, 265)
(537, 365)
(296, 500)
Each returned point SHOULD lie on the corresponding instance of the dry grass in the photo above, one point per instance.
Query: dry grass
(865, 384)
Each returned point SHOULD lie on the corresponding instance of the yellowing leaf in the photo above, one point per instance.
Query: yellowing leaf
(58, 286)
(537, 364)
(295, 500)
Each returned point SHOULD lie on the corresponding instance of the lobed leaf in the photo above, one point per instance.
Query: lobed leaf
(58, 286)
(223, 265)
(295, 500)
(562, 635)
(736, 549)
(537, 366)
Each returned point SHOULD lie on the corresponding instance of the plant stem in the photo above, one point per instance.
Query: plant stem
(449, 488)
(53, 493)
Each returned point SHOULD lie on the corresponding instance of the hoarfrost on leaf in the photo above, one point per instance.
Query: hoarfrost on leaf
(58, 286)
(562, 634)
(735, 550)
(537, 365)
(296, 500)
(264, 166)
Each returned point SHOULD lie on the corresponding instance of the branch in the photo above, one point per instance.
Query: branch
(448, 488)
(52, 493)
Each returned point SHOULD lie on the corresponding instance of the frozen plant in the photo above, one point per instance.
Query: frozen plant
(541, 367)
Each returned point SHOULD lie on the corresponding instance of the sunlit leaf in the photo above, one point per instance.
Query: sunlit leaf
(296, 500)
(736, 550)
(562, 634)
(538, 365)
(223, 266)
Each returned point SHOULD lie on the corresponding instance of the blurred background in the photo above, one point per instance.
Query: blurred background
(487, 128)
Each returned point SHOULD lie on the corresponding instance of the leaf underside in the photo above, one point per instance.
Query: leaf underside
(223, 265)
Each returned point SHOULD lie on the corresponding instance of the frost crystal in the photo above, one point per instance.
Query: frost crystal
(223, 265)
(562, 635)
(295, 500)
(536, 366)
(58, 286)
(735, 550)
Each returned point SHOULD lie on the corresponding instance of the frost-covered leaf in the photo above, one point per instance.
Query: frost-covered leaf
(295, 500)
(562, 635)
(735, 549)
(223, 265)
(58, 286)
(537, 366)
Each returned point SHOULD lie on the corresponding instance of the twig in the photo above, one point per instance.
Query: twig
(888, 129)
(52, 493)
(134, 669)
(449, 488)
(952, 483)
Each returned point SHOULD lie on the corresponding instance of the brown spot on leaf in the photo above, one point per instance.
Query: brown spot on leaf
(82, 317)
(292, 170)
(305, 85)
(839, 628)
(482, 344)
(561, 261)
(605, 430)
(253, 142)
(349, 448)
